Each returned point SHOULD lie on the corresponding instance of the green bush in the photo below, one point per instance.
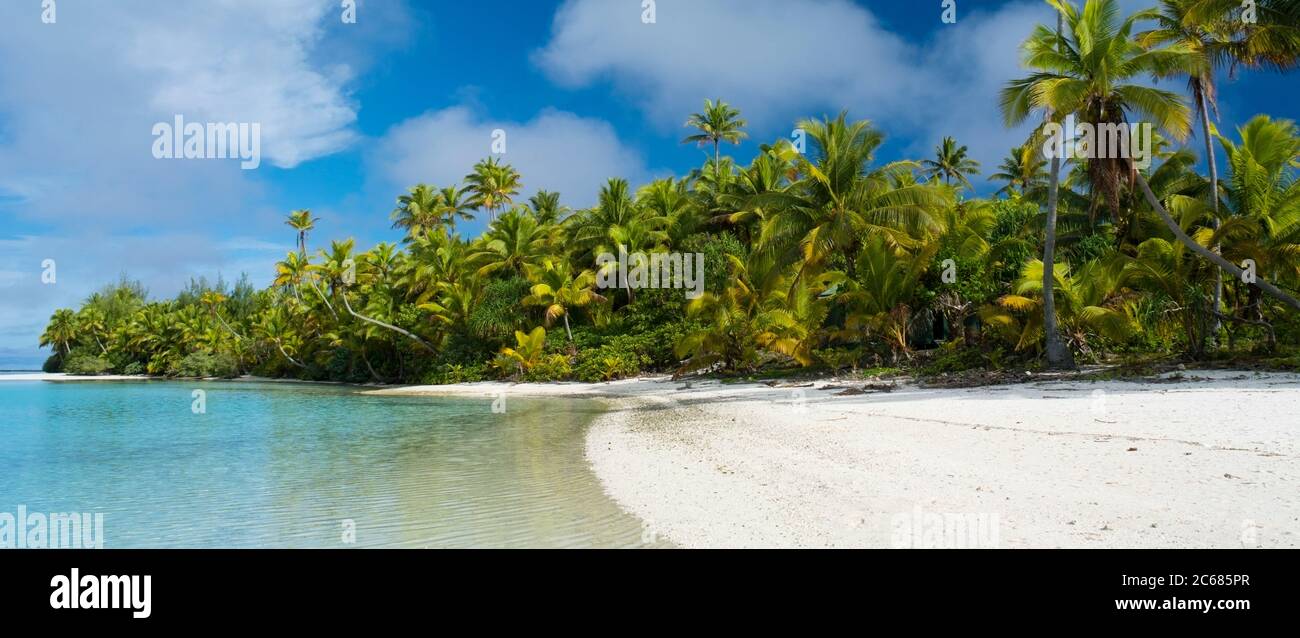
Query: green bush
(134, 368)
(498, 312)
(608, 363)
(53, 364)
(87, 365)
(450, 373)
(206, 365)
(554, 367)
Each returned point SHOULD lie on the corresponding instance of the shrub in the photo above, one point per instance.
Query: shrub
(450, 373)
(205, 365)
(133, 369)
(608, 363)
(497, 313)
(53, 364)
(550, 368)
(85, 364)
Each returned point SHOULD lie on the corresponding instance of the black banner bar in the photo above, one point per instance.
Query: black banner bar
(1110, 588)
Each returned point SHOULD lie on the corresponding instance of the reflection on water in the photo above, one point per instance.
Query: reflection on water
(284, 465)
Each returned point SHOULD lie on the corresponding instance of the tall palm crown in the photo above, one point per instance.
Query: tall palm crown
(546, 207)
(719, 122)
(1023, 169)
(493, 185)
(1088, 71)
(303, 222)
(615, 220)
(453, 206)
(417, 211)
(839, 198)
(951, 162)
(510, 244)
(1263, 192)
(61, 332)
(1271, 41)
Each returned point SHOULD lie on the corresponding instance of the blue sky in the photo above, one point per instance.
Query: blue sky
(352, 114)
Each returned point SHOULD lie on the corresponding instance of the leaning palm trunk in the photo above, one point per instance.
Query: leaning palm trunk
(381, 324)
(302, 250)
(1213, 257)
(280, 345)
(1214, 199)
(324, 299)
(227, 326)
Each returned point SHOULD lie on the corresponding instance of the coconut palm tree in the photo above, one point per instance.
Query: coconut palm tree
(213, 300)
(1205, 43)
(750, 314)
(557, 289)
(546, 207)
(718, 123)
(513, 242)
(453, 205)
(1022, 170)
(839, 199)
(878, 300)
(617, 219)
(1263, 197)
(341, 273)
(276, 326)
(91, 321)
(303, 222)
(418, 211)
(1086, 68)
(1092, 305)
(492, 185)
(61, 332)
(951, 162)
(290, 273)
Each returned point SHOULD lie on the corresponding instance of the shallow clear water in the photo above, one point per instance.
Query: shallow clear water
(284, 465)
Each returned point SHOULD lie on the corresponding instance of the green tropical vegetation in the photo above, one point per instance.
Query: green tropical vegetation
(817, 259)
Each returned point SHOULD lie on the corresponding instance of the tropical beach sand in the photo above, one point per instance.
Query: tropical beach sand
(1206, 461)
(59, 376)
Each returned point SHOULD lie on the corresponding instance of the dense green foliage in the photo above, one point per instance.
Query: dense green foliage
(819, 258)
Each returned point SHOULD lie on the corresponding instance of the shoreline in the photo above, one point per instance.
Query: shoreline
(1191, 459)
(1195, 458)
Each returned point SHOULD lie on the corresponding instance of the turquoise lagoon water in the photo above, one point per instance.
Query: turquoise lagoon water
(286, 465)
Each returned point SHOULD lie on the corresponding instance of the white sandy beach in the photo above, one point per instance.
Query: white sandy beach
(59, 376)
(1210, 461)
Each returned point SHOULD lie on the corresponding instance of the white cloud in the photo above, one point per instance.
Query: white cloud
(775, 59)
(78, 100)
(555, 151)
(779, 60)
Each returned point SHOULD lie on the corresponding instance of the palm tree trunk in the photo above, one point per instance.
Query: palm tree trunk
(1058, 355)
(324, 299)
(1214, 199)
(302, 250)
(286, 355)
(227, 326)
(381, 324)
(366, 359)
(1214, 258)
(566, 326)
